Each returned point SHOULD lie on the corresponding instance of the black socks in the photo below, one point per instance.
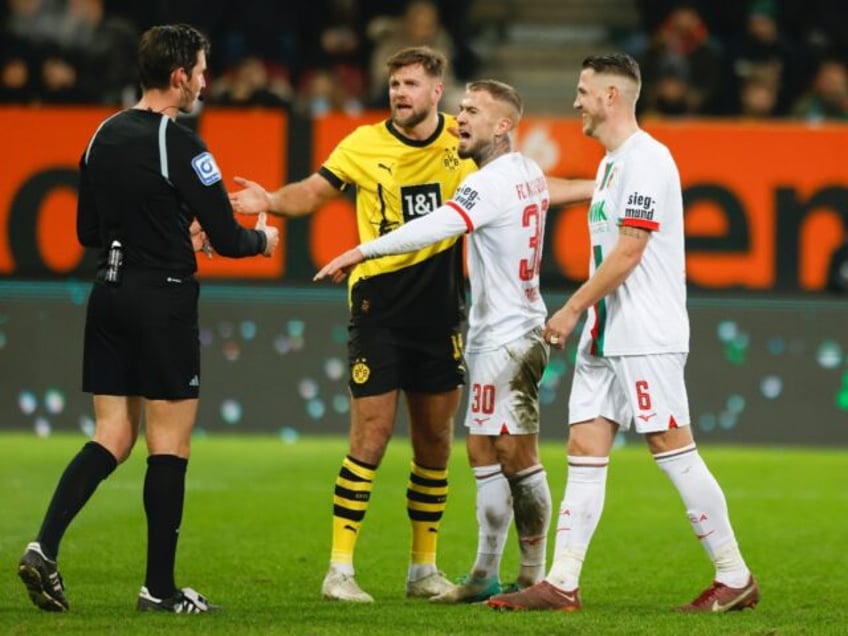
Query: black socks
(164, 492)
(79, 481)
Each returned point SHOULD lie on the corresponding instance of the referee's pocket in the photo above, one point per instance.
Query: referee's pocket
(182, 302)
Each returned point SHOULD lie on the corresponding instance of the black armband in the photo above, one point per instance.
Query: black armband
(263, 241)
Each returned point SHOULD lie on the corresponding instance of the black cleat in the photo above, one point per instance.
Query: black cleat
(185, 601)
(42, 579)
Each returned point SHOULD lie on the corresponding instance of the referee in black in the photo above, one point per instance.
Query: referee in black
(147, 186)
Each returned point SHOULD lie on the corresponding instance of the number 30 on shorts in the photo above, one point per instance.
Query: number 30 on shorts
(483, 398)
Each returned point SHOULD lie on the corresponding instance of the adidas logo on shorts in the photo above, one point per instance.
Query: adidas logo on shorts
(195, 381)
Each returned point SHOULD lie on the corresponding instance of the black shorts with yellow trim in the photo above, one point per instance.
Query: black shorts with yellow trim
(415, 359)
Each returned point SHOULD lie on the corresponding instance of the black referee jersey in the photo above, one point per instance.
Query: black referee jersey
(143, 179)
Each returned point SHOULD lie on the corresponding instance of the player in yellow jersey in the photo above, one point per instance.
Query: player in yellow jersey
(405, 310)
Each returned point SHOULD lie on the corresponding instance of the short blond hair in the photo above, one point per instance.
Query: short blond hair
(500, 91)
(433, 62)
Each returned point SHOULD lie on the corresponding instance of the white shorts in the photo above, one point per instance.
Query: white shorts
(647, 391)
(503, 387)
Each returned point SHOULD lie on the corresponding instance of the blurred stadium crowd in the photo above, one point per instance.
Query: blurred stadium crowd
(751, 59)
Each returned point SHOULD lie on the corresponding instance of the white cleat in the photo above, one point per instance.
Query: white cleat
(434, 584)
(338, 586)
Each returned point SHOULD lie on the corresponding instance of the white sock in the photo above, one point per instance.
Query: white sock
(579, 514)
(494, 514)
(706, 509)
(531, 505)
(418, 571)
(343, 568)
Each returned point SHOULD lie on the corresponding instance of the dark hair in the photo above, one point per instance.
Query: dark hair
(432, 61)
(500, 91)
(165, 48)
(619, 64)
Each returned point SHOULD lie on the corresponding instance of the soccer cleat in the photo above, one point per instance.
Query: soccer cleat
(434, 584)
(42, 579)
(471, 589)
(515, 586)
(722, 598)
(542, 596)
(185, 601)
(339, 586)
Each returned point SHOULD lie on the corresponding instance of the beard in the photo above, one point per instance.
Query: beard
(409, 121)
(465, 152)
(480, 152)
(589, 125)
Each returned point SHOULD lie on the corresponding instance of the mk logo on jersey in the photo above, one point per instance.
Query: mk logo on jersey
(597, 214)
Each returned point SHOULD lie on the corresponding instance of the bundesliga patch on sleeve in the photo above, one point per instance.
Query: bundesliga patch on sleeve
(206, 168)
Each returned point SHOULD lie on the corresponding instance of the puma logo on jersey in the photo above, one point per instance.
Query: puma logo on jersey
(385, 167)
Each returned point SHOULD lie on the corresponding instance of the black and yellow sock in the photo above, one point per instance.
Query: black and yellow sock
(426, 499)
(350, 502)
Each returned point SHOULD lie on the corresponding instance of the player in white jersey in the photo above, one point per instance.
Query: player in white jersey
(502, 207)
(638, 187)
(633, 349)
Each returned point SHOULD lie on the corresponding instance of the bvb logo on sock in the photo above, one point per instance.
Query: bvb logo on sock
(360, 371)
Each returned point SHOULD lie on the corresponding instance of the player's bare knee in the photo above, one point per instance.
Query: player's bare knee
(516, 453)
(672, 439)
(368, 445)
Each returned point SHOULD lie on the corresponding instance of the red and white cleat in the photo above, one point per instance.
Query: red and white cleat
(541, 596)
(721, 598)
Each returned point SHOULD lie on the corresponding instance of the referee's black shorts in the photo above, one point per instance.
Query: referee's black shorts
(416, 359)
(141, 337)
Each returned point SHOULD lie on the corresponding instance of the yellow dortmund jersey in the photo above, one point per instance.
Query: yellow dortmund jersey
(398, 180)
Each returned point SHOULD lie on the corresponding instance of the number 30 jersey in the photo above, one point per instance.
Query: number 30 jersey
(503, 208)
(398, 180)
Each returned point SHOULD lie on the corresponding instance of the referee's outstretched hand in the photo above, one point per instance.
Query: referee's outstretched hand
(272, 234)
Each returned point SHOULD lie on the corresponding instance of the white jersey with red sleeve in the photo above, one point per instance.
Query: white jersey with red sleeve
(505, 205)
(502, 207)
(638, 185)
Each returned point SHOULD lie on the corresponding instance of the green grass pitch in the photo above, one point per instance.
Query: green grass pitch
(256, 531)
